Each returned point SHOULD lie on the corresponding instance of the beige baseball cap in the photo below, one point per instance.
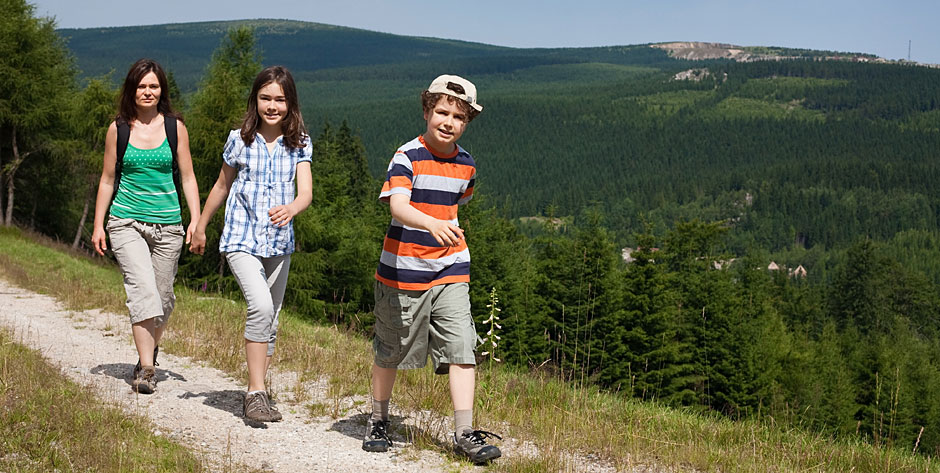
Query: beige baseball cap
(439, 86)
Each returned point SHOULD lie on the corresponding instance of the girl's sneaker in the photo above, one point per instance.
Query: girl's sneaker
(258, 408)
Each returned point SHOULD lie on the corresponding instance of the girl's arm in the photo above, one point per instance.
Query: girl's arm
(283, 214)
(105, 190)
(188, 179)
(446, 233)
(217, 196)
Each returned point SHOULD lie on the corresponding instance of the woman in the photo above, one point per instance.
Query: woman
(144, 221)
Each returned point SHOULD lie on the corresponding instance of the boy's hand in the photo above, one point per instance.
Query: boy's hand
(281, 215)
(446, 233)
(198, 243)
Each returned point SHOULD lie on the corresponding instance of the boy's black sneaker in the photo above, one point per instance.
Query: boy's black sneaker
(376, 439)
(137, 367)
(472, 444)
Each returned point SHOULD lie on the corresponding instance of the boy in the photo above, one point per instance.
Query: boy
(422, 301)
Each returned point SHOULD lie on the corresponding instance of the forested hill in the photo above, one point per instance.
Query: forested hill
(305, 47)
(826, 150)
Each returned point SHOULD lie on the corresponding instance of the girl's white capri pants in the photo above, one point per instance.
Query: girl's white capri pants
(262, 281)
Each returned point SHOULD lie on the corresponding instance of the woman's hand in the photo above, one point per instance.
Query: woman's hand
(99, 240)
(190, 231)
(197, 241)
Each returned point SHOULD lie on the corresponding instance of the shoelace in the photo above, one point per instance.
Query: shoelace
(379, 433)
(478, 437)
(266, 403)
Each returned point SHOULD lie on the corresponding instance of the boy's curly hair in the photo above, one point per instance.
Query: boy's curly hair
(429, 100)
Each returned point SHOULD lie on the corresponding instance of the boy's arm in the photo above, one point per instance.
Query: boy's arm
(446, 233)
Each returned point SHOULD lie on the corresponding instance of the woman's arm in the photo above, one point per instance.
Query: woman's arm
(283, 214)
(216, 198)
(105, 190)
(184, 160)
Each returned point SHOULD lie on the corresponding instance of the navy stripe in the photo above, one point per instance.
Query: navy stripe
(399, 170)
(422, 277)
(422, 154)
(428, 196)
(416, 237)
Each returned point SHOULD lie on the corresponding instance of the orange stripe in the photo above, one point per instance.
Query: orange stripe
(445, 156)
(440, 212)
(420, 251)
(411, 286)
(435, 168)
(398, 181)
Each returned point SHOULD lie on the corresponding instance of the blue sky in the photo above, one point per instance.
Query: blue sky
(882, 27)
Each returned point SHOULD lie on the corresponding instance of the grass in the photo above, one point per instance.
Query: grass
(567, 425)
(46, 421)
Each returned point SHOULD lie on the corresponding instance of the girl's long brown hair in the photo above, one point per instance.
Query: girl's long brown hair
(127, 107)
(292, 127)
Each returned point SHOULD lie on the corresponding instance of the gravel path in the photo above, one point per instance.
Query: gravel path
(196, 405)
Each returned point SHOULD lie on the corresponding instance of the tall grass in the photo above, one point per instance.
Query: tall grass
(566, 425)
(47, 422)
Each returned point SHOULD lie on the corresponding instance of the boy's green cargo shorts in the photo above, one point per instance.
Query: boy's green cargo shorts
(410, 325)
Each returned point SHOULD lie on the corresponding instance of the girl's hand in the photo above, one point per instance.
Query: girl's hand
(99, 240)
(198, 245)
(281, 215)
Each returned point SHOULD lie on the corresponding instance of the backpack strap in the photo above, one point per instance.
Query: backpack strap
(123, 137)
(169, 125)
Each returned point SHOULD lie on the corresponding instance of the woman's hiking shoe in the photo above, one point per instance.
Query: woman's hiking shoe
(137, 367)
(472, 444)
(145, 380)
(376, 436)
(258, 408)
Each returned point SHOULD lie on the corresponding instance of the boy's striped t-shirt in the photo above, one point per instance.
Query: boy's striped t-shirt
(147, 192)
(411, 258)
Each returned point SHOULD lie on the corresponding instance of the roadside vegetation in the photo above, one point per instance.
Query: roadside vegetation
(47, 423)
(568, 424)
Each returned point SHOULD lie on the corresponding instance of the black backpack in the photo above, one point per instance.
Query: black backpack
(124, 136)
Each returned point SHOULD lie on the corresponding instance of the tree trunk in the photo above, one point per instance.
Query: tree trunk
(81, 221)
(8, 219)
(11, 173)
(2, 181)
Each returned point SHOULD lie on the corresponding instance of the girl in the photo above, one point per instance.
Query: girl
(261, 161)
(144, 221)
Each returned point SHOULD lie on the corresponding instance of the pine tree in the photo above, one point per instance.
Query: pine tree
(36, 79)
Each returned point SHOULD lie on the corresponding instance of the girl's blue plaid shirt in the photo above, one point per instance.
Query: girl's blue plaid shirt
(264, 180)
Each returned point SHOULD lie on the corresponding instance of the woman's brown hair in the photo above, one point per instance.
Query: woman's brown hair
(292, 127)
(127, 107)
